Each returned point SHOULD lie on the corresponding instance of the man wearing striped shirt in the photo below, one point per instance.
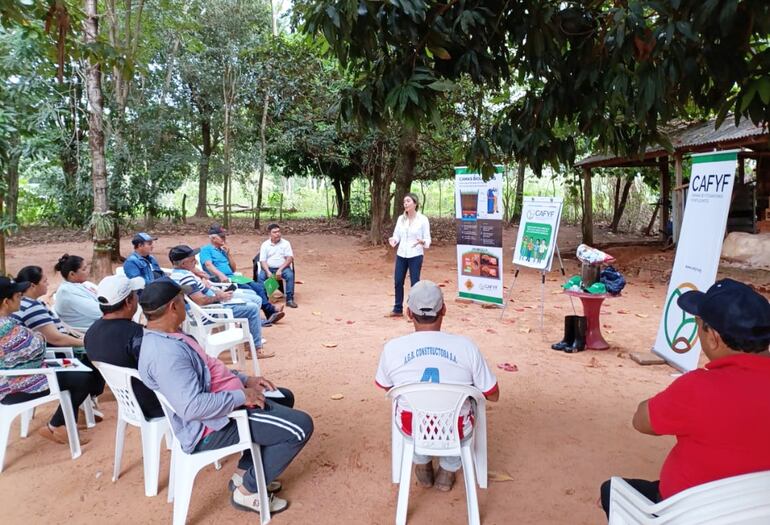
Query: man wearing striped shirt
(182, 258)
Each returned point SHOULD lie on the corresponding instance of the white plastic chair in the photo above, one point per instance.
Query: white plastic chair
(743, 500)
(130, 413)
(119, 270)
(235, 332)
(184, 466)
(9, 412)
(436, 409)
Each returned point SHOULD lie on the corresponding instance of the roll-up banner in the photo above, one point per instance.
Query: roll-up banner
(538, 230)
(697, 254)
(479, 218)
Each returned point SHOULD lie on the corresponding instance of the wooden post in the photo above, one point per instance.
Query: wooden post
(588, 208)
(678, 197)
(665, 197)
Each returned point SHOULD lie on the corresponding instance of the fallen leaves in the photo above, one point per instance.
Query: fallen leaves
(594, 363)
(337, 397)
(643, 316)
(318, 314)
(525, 330)
(491, 331)
(494, 475)
(329, 345)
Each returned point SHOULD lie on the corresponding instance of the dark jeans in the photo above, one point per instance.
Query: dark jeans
(259, 289)
(414, 265)
(648, 489)
(278, 429)
(78, 384)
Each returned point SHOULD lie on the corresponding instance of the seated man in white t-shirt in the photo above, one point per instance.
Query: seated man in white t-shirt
(275, 259)
(430, 355)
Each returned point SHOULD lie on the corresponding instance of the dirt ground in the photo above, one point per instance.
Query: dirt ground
(561, 427)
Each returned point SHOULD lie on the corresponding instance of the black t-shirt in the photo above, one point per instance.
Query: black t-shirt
(117, 342)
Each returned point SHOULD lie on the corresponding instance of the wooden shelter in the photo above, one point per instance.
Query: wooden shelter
(750, 199)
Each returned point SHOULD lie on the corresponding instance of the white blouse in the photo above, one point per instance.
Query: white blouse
(407, 233)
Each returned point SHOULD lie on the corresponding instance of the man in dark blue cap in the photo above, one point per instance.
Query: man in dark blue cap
(141, 263)
(720, 415)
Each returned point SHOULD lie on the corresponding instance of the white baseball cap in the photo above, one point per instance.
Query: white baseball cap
(425, 298)
(115, 288)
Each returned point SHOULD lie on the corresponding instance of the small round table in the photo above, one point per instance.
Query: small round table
(592, 305)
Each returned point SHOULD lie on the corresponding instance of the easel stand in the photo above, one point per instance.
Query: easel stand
(542, 291)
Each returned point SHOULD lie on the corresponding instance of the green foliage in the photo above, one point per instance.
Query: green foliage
(611, 71)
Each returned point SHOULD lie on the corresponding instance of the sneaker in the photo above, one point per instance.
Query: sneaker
(291, 304)
(237, 480)
(250, 502)
(277, 316)
(59, 435)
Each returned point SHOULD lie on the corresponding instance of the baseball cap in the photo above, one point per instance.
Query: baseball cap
(141, 237)
(115, 288)
(178, 253)
(8, 287)
(158, 293)
(731, 308)
(217, 230)
(425, 298)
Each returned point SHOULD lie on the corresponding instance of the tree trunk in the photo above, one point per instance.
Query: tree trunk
(588, 208)
(101, 221)
(407, 158)
(263, 155)
(12, 187)
(2, 244)
(338, 197)
(381, 172)
(620, 203)
(345, 209)
(203, 166)
(518, 201)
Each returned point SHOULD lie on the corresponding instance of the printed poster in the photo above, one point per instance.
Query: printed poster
(697, 254)
(479, 219)
(539, 228)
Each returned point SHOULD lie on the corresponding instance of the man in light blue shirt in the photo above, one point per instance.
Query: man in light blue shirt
(217, 261)
(141, 263)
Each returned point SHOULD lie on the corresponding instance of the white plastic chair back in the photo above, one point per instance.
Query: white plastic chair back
(9, 412)
(436, 409)
(234, 333)
(119, 270)
(185, 467)
(129, 412)
(743, 500)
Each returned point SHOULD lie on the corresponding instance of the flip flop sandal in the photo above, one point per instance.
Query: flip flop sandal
(508, 367)
(265, 355)
(445, 480)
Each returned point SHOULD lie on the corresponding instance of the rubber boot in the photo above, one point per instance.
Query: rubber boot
(579, 344)
(569, 334)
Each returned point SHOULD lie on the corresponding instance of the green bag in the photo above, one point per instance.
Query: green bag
(597, 289)
(575, 280)
(271, 285)
(240, 279)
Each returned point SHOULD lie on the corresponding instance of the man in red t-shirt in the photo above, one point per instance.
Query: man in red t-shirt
(720, 415)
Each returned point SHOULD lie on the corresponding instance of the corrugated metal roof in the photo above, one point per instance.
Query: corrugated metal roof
(694, 137)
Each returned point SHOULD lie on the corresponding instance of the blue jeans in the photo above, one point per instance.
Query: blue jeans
(288, 281)
(250, 312)
(259, 289)
(414, 265)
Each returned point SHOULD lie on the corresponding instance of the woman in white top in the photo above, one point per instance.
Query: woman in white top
(412, 236)
(75, 300)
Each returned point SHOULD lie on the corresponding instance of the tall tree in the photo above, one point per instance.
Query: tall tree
(102, 220)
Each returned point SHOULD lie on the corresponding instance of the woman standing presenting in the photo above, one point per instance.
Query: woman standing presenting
(412, 236)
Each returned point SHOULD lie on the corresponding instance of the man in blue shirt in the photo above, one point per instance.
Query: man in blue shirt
(141, 263)
(219, 263)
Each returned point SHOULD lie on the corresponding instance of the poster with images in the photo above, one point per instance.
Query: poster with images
(538, 230)
(479, 219)
(697, 254)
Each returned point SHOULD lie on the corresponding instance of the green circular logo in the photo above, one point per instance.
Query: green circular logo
(678, 326)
